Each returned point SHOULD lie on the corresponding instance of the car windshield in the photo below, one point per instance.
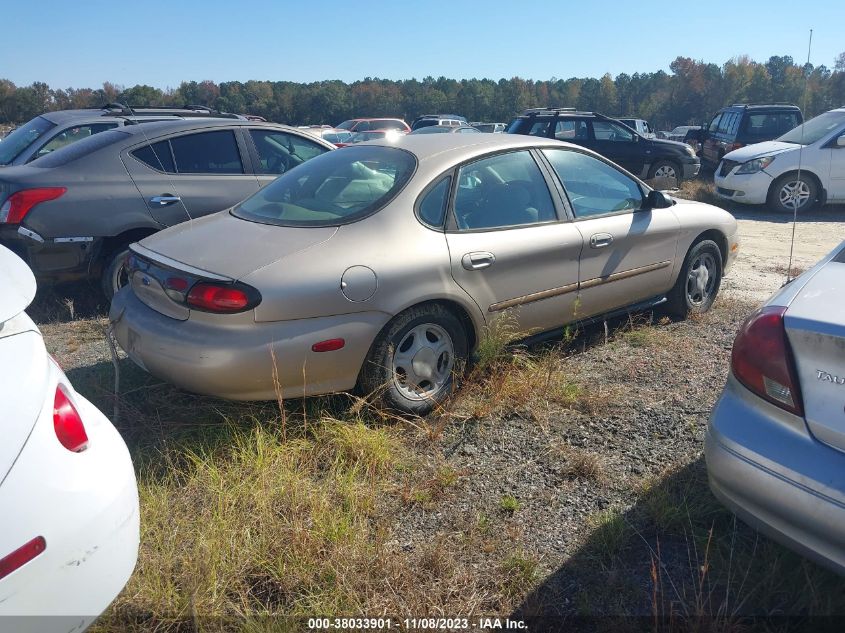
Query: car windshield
(23, 137)
(814, 129)
(332, 189)
(337, 137)
(360, 137)
(346, 124)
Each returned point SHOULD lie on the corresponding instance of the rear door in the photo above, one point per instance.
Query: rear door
(191, 174)
(815, 326)
(628, 251)
(710, 142)
(508, 249)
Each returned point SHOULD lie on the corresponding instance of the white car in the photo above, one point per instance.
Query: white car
(768, 172)
(68, 498)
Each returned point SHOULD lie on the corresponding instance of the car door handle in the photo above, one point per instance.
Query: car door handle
(600, 240)
(164, 200)
(478, 260)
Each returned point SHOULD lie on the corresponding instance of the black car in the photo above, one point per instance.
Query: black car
(643, 157)
(743, 124)
(73, 213)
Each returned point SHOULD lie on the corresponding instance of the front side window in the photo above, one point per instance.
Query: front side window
(594, 187)
(279, 151)
(21, 138)
(540, 128)
(207, 153)
(71, 135)
(607, 131)
(332, 189)
(501, 191)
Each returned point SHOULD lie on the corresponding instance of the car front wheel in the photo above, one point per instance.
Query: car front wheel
(699, 281)
(791, 193)
(415, 361)
(665, 169)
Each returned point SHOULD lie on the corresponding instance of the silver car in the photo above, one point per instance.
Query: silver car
(382, 264)
(775, 444)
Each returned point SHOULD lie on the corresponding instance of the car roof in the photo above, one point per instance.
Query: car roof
(761, 106)
(428, 146)
(161, 127)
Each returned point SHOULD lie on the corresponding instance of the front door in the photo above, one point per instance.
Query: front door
(190, 175)
(837, 169)
(509, 250)
(620, 145)
(276, 152)
(629, 252)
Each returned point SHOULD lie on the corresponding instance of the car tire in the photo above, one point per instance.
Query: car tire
(114, 271)
(790, 185)
(414, 363)
(698, 283)
(666, 169)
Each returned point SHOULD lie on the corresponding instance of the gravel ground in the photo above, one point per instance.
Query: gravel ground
(547, 482)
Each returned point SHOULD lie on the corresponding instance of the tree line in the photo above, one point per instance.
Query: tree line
(689, 95)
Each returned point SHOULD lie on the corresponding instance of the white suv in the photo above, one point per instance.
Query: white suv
(769, 172)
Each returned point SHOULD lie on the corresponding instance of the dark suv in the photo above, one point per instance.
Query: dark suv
(54, 130)
(643, 157)
(73, 213)
(744, 124)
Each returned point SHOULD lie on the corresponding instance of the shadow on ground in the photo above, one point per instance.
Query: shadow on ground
(678, 561)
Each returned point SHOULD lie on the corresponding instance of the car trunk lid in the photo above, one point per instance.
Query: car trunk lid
(815, 326)
(230, 247)
(23, 360)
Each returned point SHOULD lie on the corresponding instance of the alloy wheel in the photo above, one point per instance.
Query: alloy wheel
(423, 361)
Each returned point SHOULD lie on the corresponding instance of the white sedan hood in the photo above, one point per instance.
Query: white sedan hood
(758, 150)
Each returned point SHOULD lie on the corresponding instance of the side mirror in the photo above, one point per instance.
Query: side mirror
(658, 200)
(840, 142)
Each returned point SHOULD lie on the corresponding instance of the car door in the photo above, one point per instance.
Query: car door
(509, 250)
(192, 174)
(629, 251)
(276, 151)
(619, 144)
(836, 188)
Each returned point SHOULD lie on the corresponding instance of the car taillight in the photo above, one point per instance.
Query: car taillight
(22, 556)
(222, 298)
(762, 359)
(734, 146)
(20, 203)
(67, 423)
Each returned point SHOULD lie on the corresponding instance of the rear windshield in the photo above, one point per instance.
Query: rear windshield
(23, 137)
(814, 129)
(70, 153)
(332, 189)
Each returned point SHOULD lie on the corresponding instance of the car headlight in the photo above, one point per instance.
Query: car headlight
(690, 150)
(753, 166)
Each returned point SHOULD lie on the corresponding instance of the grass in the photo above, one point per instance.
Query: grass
(332, 506)
(700, 190)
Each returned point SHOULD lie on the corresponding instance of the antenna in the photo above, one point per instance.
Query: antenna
(798, 177)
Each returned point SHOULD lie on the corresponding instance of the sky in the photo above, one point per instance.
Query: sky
(83, 44)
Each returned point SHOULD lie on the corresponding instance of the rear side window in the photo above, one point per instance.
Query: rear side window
(80, 149)
(432, 207)
(157, 156)
(207, 153)
(771, 124)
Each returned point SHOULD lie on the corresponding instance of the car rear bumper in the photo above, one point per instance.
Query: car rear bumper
(61, 259)
(85, 506)
(764, 465)
(240, 359)
(747, 188)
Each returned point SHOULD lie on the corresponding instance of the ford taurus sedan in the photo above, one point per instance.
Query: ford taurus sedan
(381, 266)
(775, 444)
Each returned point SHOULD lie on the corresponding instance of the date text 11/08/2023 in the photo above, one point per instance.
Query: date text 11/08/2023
(435, 624)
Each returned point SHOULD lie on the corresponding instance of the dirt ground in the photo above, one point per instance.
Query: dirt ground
(761, 267)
